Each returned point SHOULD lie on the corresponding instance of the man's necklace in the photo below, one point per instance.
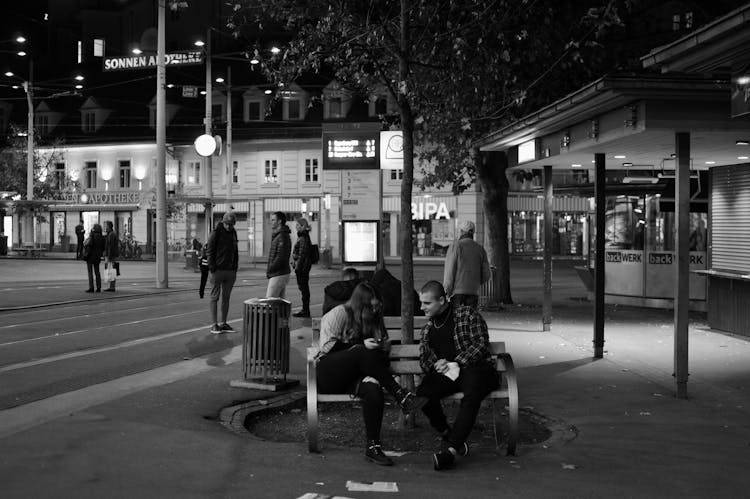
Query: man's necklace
(439, 326)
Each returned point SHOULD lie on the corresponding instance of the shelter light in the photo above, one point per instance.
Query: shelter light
(205, 145)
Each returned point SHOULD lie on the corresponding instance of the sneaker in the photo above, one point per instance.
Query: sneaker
(411, 402)
(374, 453)
(443, 460)
(90, 290)
(216, 329)
(463, 450)
(226, 328)
(302, 313)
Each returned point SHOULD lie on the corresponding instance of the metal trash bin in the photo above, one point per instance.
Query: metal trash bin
(266, 344)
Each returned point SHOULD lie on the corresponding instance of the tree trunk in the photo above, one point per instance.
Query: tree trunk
(491, 169)
(407, 127)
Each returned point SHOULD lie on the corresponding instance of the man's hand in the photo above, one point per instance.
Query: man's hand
(441, 366)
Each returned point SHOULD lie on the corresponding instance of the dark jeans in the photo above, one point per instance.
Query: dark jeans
(476, 382)
(468, 300)
(222, 282)
(79, 248)
(303, 283)
(93, 268)
(341, 371)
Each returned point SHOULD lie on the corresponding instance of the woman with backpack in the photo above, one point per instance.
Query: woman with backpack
(302, 256)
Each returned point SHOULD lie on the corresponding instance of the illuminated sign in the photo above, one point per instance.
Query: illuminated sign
(149, 61)
(360, 242)
(392, 150)
(129, 197)
(425, 211)
(527, 151)
(350, 151)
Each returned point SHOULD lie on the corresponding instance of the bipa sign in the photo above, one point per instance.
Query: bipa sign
(424, 210)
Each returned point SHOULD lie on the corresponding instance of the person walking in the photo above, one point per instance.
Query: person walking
(353, 358)
(466, 268)
(92, 252)
(111, 251)
(454, 354)
(223, 262)
(79, 240)
(278, 269)
(301, 256)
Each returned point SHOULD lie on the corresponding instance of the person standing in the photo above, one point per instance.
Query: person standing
(466, 268)
(204, 272)
(278, 269)
(92, 252)
(223, 262)
(111, 251)
(302, 264)
(454, 354)
(80, 231)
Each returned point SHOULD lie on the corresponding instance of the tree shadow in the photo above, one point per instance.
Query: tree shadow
(215, 346)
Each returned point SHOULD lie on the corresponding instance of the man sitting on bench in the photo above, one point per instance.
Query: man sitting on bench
(455, 356)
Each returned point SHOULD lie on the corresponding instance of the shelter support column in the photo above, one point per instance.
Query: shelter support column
(601, 206)
(547, 300)
(682, 290)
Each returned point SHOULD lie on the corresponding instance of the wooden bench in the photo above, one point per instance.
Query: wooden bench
(404, 360)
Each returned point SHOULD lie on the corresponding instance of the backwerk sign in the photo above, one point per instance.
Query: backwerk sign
(145, 61)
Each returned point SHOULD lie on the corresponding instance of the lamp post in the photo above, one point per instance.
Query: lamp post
(162, 276)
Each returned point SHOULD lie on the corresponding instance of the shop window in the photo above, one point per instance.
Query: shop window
(311, 170)
(194, 173)
(124, 168)
(90, 169)
(271, 171)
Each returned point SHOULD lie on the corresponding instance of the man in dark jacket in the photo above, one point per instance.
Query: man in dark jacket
(302, 264)
(93, 249)
(223, 259)
(111, 251)
(80, 231)
(339, 292)
(278, 269)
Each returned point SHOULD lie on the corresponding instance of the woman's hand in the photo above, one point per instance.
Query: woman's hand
(371, 343)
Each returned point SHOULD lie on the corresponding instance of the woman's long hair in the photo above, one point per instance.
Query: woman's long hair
(363, 320)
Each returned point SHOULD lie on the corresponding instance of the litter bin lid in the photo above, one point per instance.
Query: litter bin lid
(266, 301)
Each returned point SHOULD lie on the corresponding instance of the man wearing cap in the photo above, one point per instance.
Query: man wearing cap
(466, 268)
(302, 261)
(223, 258)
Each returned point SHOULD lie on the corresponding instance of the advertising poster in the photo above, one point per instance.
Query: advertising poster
(360, 242)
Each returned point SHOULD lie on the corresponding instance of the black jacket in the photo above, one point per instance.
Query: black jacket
(301, 253)
(112, 245)
(279, 253)
(93, 247)
(221, 249)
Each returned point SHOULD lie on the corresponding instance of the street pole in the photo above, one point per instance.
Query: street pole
(162, 279)
(230, 164)
(207, 131)
(29, 87)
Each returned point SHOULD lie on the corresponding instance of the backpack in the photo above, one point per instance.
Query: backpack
(314, 253)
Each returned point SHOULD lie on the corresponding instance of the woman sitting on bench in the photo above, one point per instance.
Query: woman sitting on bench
(353, 358)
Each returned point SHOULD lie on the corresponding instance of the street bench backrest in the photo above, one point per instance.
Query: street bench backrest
(392, 324)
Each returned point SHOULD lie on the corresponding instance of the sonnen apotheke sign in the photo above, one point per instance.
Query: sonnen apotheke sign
(149, 61)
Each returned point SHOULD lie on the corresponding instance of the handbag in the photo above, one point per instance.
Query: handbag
(109, 273)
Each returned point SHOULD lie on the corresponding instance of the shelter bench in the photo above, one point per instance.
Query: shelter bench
(404, 360)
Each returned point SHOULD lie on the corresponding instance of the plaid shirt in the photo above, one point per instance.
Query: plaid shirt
(470, 337)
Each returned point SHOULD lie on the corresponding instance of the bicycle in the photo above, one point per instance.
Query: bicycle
(130, 249)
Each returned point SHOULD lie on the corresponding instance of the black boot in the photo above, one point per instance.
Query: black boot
(374, 453)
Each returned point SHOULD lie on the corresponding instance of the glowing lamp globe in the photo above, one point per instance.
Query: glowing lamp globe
(205, 145)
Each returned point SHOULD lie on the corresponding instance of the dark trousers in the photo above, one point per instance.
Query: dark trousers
(468, 300)
(303, 283)
(341, 372)
(204, 278)
(475, 381)
(93, 269)
(222, 282)
(79, 248)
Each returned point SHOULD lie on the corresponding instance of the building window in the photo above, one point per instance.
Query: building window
(235, 172)
(676, 22)
(124, 167)
(311, 169)
(89, 121)
(688, 20)
(293, 109)
(334, 107)
(41, 123)
(60, 179)
(397, 175)
(194, 173)
(90, 167)
(98, 47)
(254, 111)
(79, 56)
(271, 171)
(217, 113)
(381, 105)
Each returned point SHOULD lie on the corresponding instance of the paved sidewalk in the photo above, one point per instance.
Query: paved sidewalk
(619, 430)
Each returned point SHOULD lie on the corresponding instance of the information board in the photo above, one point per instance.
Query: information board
(360, 194)
(350, 150)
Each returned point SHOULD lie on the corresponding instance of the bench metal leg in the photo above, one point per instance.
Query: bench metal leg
(512, 381)
(312, 408)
